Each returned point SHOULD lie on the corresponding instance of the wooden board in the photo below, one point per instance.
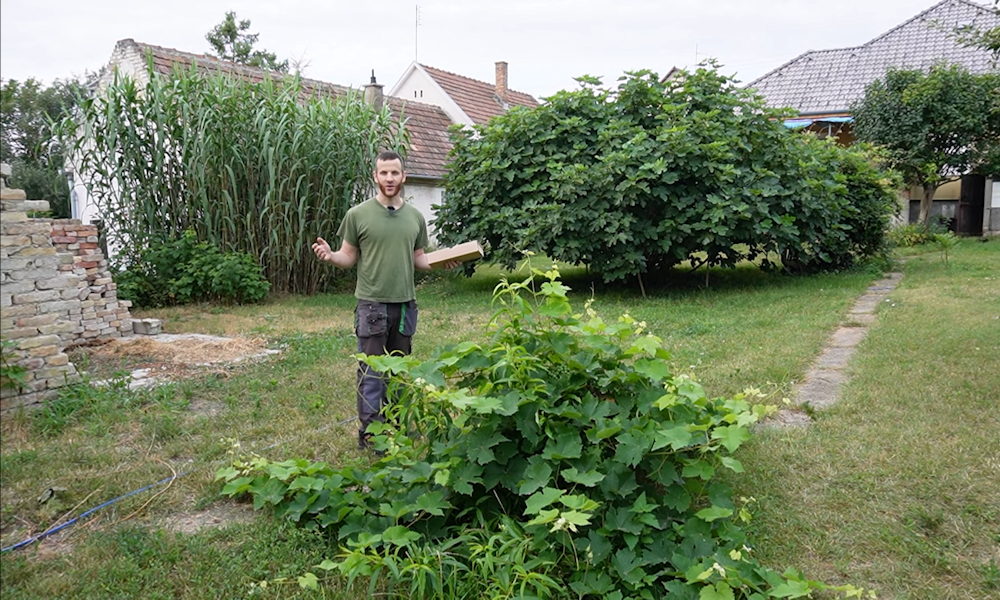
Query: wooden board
(462, 253)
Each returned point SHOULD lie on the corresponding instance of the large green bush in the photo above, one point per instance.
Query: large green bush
(185, 270)
(254, 167)
(560, 459)
(656, 172)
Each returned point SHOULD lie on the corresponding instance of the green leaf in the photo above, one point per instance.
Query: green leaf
(731, 436)
(227, 473)
(537, 474)
(398, 535)
(308, 581)
(237, 486)
(632, 447)
(307, 484)
(720, 591)
(676, 437)
(433, 503)
(327, 565)
(566, 445)
(540, 500)
(713, 513)
(791, 589)
(732, 464)
(698, 468)
(656, 370)
(589, 478)
(545, 516)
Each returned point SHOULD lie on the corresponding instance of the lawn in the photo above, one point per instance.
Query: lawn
(894, 488)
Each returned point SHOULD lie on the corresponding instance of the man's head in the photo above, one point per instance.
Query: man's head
(389, 174)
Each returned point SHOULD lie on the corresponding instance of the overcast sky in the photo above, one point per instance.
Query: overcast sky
(546, 42)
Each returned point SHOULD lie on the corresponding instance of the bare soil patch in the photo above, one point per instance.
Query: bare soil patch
(218, 515)
(169, 356)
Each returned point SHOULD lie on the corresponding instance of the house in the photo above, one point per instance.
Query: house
(427, 124)
(821, 85)
(465, 100)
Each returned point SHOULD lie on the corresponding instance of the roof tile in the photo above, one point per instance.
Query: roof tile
(427, 124)
(829, 81)
(477, 98)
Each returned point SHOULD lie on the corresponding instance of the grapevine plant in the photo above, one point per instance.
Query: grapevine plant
(560, 459)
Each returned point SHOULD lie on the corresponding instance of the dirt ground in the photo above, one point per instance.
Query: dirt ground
(168, 356)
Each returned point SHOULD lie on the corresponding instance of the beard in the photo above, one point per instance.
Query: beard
(399, 188)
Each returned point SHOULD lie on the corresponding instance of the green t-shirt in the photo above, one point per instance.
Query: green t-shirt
(385, 240)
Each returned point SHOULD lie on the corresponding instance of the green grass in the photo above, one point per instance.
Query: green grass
(893, 489)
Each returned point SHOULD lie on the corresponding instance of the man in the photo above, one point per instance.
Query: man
(385, 237)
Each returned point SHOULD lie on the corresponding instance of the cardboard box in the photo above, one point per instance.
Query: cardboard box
(462, 253)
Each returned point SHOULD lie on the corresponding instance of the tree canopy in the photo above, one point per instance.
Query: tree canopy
(231, 41)
(28, 110)
(935, 126)
(655, 172)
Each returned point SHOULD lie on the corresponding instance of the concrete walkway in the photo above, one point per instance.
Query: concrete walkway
(823, 382)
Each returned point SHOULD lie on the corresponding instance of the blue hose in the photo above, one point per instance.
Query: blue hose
(58, 528)
(83, 515)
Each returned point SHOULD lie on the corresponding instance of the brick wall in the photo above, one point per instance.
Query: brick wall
(56, 292)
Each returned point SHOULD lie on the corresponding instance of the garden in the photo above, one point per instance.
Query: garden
(591, 421)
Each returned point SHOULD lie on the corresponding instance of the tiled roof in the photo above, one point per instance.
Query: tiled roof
(829, 81)
(426, 123)
(477, 99)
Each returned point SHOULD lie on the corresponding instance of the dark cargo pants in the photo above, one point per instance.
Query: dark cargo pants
(382, 328)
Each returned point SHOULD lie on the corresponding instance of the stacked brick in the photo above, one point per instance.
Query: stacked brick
(102, 314)
(55, 292)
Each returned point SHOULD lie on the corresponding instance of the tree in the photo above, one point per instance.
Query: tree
(231, 42)
(640, 178)
(28, 111)
(936, 126)
(988, 39)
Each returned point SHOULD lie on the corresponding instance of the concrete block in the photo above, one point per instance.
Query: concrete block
(57, 360)
(36, 297)
(64, 306)
(60, 282)
(37, 342)
(20, 333)
(147, 326)
(37, 320)
(57, 328)
(43, 351)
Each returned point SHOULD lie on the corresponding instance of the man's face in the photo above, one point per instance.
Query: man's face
(389, 176)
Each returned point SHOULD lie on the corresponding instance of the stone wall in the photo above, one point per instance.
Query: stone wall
(56, 292)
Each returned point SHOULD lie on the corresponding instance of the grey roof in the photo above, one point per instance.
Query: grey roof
(829, 81)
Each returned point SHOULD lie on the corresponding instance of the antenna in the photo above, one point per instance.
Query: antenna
(416, 31)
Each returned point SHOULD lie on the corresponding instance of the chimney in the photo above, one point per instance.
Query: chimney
(373, 93)
(502, 80)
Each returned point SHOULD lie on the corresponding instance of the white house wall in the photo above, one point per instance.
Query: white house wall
(422, 195)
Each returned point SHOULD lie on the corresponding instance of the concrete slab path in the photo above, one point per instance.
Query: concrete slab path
(822, 385)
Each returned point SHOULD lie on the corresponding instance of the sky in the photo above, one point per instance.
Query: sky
(546, 43)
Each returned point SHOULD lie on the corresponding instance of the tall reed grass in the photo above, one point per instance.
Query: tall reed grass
(257, 167)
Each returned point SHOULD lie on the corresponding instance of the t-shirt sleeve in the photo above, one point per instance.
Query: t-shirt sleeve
(348, 231)
(422, 238)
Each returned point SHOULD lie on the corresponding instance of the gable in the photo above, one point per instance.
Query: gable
(477, 99)
(829, 81)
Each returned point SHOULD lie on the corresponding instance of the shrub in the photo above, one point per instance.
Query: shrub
(185, 270)
(560, 459)
(911, 234)
(657, 172)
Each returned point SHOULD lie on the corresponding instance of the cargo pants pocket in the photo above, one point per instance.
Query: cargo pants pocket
(408, 318)
(370, 319)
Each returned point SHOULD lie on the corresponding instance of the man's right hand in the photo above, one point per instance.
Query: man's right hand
(322, 250)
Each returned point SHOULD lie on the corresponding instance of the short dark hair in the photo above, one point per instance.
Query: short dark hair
(390, 155)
